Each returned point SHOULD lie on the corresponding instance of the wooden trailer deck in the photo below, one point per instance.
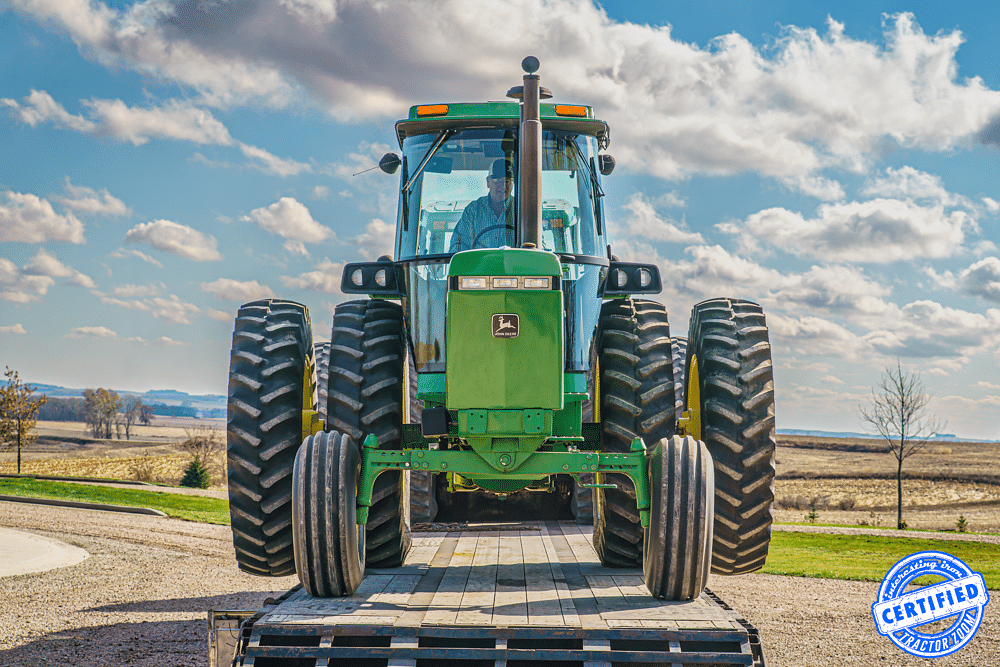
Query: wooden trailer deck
(535, 594)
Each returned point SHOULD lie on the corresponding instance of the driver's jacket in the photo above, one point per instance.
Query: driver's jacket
(478, 215)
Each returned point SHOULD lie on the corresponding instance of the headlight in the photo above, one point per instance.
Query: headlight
(472, 282)
(380, 277)
(505, 283)
(357, 277)
(620, 278)
(536, 283)
(645, 278)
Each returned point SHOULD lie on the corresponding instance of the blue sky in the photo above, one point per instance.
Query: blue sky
(162, 162)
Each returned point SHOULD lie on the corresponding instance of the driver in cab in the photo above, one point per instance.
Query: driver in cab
(488, 222)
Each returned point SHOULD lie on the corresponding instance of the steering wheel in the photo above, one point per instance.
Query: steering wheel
(491, 227)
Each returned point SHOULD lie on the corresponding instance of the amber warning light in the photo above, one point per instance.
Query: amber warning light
(432, 110)
(571, 110)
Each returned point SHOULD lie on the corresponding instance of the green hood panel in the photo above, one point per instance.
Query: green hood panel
(505, 262)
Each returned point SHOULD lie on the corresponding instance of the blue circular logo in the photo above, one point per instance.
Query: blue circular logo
(962, 596)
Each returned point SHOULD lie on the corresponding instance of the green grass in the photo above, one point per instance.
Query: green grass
(191, 508)
(855, 557)
(869, 557)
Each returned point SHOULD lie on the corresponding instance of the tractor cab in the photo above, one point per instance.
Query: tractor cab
(449, 154)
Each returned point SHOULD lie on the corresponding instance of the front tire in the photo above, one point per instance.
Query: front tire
(728, 342)
(678, 542)
(271, 381)
(329, 546)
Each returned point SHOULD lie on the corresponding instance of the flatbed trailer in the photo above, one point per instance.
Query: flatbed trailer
(526, 594)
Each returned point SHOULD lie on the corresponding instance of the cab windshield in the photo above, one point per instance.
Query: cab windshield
(460, 192)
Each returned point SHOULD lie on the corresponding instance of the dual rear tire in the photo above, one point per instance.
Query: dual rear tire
(729, 383)
(271, 382)
(636, 400)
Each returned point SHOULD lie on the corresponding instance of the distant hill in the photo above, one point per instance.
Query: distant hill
(940, 437)
(203, 403)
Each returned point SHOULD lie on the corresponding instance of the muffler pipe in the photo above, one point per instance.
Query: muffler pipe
(529, 173)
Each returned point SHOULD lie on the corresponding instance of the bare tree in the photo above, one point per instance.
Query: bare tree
(897, 411)
(146, 414)
(209, 446)
(18, 413)
(131, 413)
(102, 410)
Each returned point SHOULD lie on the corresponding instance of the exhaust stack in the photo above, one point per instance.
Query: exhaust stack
(529, 173)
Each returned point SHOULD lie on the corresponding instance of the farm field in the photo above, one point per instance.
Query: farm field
(946, 480)
(153, 454)
(853, 488)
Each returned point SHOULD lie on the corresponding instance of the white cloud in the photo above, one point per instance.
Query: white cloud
(992, 205)
(832, 379)
(39, 107)
(45, 264)
(30, 219)
(820, 187)
(926, 329)
(671, 199)
(913, 185)
(325, 278)
(289, 219)
(810, 336)
(219, 315)
(876, 231)
(30, 283)
(122, 253)
(172, 309)
(109, 334)
(226, 289)
(643, 221)
(131, 291)
(173, 120)
(712, 271)
(273, 164)
(13, 328)
(92, 332)
(377, 240)
(982, 279)
(175, 238)
(87, 200)
(364, 158)
(805, 101)
(842, 290)
(166, 341)
(133, 304)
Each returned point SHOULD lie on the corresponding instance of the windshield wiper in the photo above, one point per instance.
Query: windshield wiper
(444, 136)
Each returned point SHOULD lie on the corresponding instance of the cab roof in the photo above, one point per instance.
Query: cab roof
(425, 118)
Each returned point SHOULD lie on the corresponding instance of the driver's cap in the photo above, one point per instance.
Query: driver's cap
(502, 168)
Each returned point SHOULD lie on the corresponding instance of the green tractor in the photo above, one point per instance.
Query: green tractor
(538, 369)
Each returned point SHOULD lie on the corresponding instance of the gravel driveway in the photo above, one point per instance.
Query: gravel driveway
(141, 597)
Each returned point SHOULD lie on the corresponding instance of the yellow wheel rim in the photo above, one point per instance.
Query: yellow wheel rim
(690, 420)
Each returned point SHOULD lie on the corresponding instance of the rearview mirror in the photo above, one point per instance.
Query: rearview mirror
(607, 164)
(389, 163)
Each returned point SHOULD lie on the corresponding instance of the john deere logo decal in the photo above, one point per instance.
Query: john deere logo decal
(505, 325)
